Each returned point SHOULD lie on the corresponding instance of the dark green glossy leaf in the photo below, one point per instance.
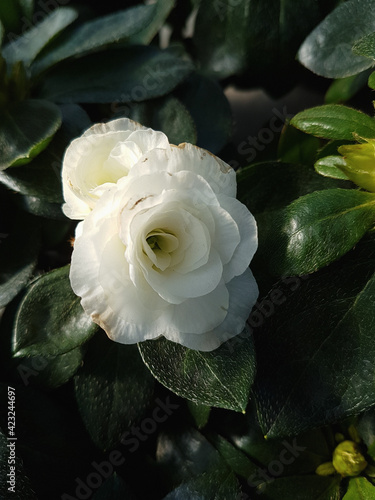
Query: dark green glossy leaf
(327, 51)
(359, 489)
(185, 453)
(18, 256)
(27, 46)
(314, 353)
(41, 208)
(114, 488)
(297, 147)
(329, 167)
(218, 484)
(162, 8)
(50, 371)
(298, 455)
(333, 121)
(209, 107)
(232, 36)
(200, 413)
(234, 458)
(50, 320)
(131, 74)
(113, 390)
(343, 89)
(268, 186)
(219, 378)
(301, 488)
(167, 114)
(20, 488)
(98, 34)
(15, 14)
(25, 130)
(41, 178)
(315, 230)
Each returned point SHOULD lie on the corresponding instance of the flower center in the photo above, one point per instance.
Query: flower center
(160, 245)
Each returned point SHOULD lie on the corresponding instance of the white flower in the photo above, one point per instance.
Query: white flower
(166, 250)
(99, 158)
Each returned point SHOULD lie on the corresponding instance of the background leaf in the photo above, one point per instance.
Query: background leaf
(314, 230)
(327, 50)
(27, 46)
(50, 320)
(219, 378)
(131, 74)
(324, 337)
(113, 390)
(98, 34)
(25, 130)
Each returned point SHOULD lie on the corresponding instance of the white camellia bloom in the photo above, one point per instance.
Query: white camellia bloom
(166, 250)
(99, 158)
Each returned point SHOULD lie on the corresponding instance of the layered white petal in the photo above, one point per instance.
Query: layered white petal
(164, 248)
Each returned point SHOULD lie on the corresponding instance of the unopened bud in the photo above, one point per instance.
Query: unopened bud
(360, 163)
(348, 459)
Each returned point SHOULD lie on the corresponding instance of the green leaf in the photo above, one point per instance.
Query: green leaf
(18, 256)
(114, 488)
(268, 186)
(22, 489)
(329, 167)
(327, 50)
(25, 130)
(365, 46)
(162, 9)
(219, 378)
(359, 489)
(297, 147)
(333, 121)
(131, 74)
(215, 485)
(167, 114)
(113, 390)
(230, 37)
(27, 46)
(184, 453)
(40, 207)
(200, 413)
(343, 89)
(371, 81)
(315, 230)
(50, 320)
(301, 488)
(41, 178)
(50, 371)
(314, 351)
(101, 32)
(234, 458)
(209, 107)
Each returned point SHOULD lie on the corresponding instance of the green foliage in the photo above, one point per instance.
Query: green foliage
(328, 50)
(219, 378)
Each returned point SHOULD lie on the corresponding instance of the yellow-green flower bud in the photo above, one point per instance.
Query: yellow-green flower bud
(348, 459)
(360, 163)
(326, 469)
